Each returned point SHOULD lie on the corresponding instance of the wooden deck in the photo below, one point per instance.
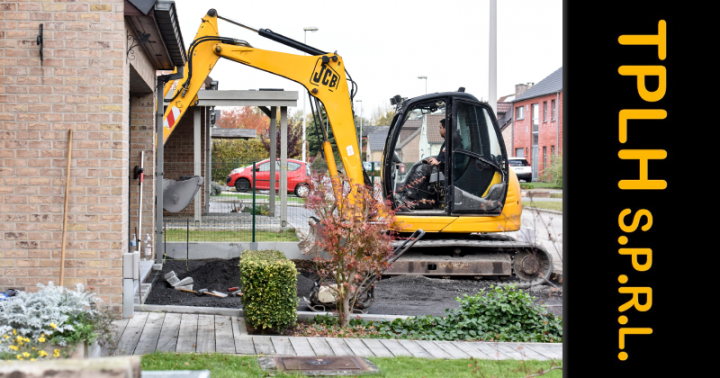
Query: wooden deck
(192, 333)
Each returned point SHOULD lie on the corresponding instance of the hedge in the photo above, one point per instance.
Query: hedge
(269, 282)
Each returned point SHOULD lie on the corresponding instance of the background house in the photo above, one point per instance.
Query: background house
(536, 127)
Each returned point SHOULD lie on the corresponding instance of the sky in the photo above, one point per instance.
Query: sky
(386, 45)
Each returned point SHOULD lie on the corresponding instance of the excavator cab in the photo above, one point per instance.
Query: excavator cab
(460, 132)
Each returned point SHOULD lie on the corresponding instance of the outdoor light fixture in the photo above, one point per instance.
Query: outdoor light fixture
(424, 77)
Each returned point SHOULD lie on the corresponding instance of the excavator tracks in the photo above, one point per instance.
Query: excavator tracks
(486, 256)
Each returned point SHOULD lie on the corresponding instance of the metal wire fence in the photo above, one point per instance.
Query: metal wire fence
(237, 212)
(245, 215)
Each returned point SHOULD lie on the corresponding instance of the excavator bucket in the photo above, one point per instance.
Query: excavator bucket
(177, 195)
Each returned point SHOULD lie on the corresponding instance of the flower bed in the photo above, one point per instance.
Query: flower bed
(52, 323)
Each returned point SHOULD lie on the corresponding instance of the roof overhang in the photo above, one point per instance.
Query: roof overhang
(165, 47)
(245, 98)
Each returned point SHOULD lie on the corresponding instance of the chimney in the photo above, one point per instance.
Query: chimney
(521, 88)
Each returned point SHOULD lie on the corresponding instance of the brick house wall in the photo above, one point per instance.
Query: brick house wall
(547, 131)
(83, 84)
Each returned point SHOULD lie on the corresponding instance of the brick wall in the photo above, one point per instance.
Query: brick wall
(547, 135)
(81, 85)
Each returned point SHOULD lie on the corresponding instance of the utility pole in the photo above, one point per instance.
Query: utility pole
(492, 82)
(425, 78)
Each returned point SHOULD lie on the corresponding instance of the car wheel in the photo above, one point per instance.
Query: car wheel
(302, 190)
(242, 185)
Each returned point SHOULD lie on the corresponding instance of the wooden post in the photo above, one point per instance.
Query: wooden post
(65, 210)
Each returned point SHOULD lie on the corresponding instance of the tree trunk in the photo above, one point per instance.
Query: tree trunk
(344, 314)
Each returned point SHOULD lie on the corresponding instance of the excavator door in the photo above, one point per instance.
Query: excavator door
(479, 170)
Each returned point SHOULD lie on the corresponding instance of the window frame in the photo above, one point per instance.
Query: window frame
(544, 157)
(545, 111)
(554, 111)
(520, 109)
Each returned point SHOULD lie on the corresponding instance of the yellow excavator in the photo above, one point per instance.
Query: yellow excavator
(472, 199)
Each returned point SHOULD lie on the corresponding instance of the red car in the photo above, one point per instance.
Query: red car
(242, 178)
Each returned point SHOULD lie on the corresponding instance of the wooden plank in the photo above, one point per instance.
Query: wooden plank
(302, 346)
(282, 345)
(339, 347)
(120, 326)
(490, 350)
(377, 348)
(471, 350)
(224, 342)
(206, 334)
(359, 348)
(528, 354)
(415, 348)
(452, 350)
(263, 345)
(433, 349)
(510, 352)
(320, 346)
(167, 342)
(187, 336)
(550, 351)
(243, 342)
(132, 333)
(150, 334)
(395, 347)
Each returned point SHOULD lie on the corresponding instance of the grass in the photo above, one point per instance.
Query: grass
(547, 205)
(543, 185)
(556, 195)
(262, 197)
(179, 235)
(226, 366)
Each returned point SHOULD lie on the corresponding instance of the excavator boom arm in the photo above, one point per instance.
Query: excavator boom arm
(323, 76)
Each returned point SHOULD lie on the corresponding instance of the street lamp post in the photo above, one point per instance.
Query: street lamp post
(304, 142)
(425, 78)
(361, 127)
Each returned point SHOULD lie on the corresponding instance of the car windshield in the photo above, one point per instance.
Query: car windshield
(519, 163)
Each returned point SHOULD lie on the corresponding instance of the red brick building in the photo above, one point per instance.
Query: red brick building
(537, 124)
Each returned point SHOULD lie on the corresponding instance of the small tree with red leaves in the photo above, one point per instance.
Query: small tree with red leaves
(353, 240)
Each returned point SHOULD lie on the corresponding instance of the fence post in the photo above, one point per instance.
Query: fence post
(253, 204)
(187, 238)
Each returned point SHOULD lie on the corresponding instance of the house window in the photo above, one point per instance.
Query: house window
(520, 112)
(545, 111)
(519, 152)
(552, 150)
(552, 106)
(544, 157)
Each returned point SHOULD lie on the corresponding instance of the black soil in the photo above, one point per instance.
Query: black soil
(211, 274)
(401, 295)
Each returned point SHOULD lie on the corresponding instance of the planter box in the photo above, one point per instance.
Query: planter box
(81, 350)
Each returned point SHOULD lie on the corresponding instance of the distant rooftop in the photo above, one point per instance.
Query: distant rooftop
(551, 84)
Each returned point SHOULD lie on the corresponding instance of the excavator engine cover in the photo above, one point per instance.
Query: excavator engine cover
(177, 195)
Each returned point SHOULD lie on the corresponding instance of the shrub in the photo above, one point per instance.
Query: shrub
(261, 209)
(51, 316)
(215, 189)
(503, 314)
(354, 230)
(269, 289)
(553, 174)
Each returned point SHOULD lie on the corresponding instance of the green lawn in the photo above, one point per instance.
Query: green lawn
(226, 366)
(541, 185)
(262, 197)
(547, 205)
(179, 235)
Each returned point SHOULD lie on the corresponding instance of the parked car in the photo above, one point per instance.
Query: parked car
(522, 168)
(242, 178)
